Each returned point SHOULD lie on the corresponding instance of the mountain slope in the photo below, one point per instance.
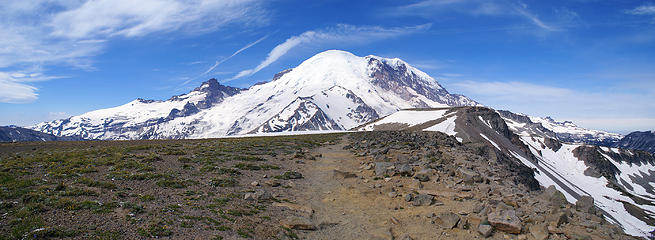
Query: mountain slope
(332, 90)
(638, 140)
(565, 131)
(619, 180)
(19, 134)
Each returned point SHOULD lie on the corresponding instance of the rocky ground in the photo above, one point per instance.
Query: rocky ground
(375, 185)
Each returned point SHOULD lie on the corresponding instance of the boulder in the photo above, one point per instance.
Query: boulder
(422, 200)
(447, 220)
(469, 176)
(404, 170)
(556, 219)
(505, 220)
(485, 230)
(539, 231)
(585, 204)
(382, 168)
(556, 198)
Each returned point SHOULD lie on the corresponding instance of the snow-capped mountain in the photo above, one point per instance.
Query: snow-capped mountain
(565, 131)
(333, 90)
(638, 140)
(620, 181)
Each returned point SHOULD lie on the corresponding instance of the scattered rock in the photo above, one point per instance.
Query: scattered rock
(447, 220)
(297, 207)
(250, 197)
(585, 204)
(422, 175)
(382, 168)
(273, 182)
(485, 230)
(254, 183)
(392, 194)
(299, 223)
(343, 175)
(539, 231)
(469, 176)
(505, 220)
(404, 170)
(478, 207)
(258, 195)
(416, 184)
(369, 166)
(409, 197)
(556, 198)
(556, 219)
(422, 200)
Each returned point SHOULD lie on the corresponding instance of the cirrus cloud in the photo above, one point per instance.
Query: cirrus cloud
(39, 34)
(340, 34)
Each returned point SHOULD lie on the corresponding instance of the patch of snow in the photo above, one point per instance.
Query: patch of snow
(569, 171)
(409, 117)
(447, 126)
(489, 140)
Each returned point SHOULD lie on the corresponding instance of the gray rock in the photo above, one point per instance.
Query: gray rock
(392, 194)
(447, 220)
(558, 218)
(539, 231)
(505, 220)
(423, 175)
(469, 176)
(556, 198)
(422, 200)
(405, 170)
(478, 207)
(273, 182)
(300, 223)
(485, 230)
(343, 175)
(258, 195)
(409, 197)
(585, 204)
(382, 168)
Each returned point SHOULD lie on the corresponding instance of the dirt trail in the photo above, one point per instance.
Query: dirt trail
(352, 209)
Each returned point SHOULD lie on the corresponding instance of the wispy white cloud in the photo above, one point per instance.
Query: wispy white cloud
(13, 87)
(42, 33)
(601, 110)
(137, 18)
(643, 10)
(648, 9)
(225, 59)
(433, 8)
(523, 11)
(340, 34)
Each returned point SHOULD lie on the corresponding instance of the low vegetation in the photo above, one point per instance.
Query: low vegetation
(144, 189)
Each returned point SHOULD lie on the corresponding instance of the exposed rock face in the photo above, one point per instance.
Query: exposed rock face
(394, 75)
(215, 93)
(300, 115)
(638, 140)
(563, 131)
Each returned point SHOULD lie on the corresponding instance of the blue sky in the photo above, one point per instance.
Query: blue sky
(592, 62)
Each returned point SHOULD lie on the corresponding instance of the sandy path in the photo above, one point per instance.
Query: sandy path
(351, 209)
